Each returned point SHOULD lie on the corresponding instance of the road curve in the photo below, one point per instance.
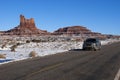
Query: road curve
(71, 65)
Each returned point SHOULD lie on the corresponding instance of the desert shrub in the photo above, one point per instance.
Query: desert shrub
(4, 45)
(2, 56)
(13, 48)
(37, 41)
(18, 44)
(27, 41)
(32, 54)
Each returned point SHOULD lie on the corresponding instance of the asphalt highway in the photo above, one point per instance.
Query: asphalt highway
(71, 65)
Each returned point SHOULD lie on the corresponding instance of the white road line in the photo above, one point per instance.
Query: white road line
(117, 77)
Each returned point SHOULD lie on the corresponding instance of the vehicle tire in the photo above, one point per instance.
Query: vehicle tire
(84, 49)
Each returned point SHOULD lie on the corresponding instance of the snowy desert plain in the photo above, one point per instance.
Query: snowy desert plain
(27, 47)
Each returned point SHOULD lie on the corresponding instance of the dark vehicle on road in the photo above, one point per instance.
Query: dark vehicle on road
(92, 44)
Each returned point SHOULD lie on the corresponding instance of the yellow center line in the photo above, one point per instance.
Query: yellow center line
(44, 69)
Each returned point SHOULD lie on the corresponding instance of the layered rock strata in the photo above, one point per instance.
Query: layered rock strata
(26, 27)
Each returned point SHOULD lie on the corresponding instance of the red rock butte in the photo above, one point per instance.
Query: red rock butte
(26, 27)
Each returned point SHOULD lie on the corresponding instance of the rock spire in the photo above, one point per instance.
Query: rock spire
(26, 27)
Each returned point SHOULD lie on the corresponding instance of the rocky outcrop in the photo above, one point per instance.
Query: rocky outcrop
(79, 31)
(26, 27)
(72, 30)
(27, 23)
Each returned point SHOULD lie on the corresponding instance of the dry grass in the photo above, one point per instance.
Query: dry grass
(33, 54)
(4, 45)
(13, 48)
(3, 56)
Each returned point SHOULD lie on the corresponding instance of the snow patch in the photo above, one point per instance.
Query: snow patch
(42, 49)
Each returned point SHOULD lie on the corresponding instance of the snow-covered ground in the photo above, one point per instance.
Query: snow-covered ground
(42, 49)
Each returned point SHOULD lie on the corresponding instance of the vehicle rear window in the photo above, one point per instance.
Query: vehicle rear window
(91, 40)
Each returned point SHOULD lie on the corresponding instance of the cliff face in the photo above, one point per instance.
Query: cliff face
(27, 23)
(26, 27)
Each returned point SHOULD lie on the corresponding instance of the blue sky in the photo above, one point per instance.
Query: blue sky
(97, 15)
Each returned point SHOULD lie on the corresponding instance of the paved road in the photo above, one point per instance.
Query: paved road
(71, 65)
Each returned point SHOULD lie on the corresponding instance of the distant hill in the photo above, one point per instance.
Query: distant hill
(77, 31)
(27, 27)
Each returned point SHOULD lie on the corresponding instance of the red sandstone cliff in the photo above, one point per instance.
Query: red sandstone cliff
(26, 27)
